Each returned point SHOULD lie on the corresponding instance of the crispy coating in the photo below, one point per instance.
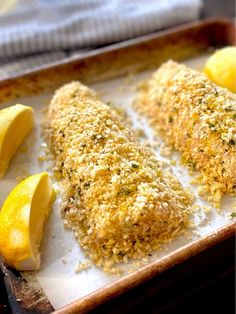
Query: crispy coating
(121, 203)
(197, 118)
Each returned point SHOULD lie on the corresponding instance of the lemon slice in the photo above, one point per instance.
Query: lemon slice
(15, 123)
(22, 220)
(221, 68)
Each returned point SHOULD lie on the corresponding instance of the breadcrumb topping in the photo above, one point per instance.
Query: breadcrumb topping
(119, 201)
(197, 118)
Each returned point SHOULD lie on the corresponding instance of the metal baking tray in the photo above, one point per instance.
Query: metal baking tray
(106, 70)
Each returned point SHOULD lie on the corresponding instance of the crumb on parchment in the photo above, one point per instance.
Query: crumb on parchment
(82, 266)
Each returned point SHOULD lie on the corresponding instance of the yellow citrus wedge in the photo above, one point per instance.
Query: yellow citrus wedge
(221, 68)
(22, 220)
(15, 123)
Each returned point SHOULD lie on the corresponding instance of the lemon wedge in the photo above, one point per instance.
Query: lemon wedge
(22, 220)
(221, 68)
(15, 123)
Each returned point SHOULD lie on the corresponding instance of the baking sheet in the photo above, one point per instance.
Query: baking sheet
(60, 252)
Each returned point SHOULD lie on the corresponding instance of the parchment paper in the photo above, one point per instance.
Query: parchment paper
(60, 252)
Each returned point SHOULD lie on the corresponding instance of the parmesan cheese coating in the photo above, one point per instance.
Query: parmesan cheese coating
(120, 202)
(197, 118)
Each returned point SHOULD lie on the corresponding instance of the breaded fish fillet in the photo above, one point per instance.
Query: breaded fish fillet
(198, 118)
(121, 202)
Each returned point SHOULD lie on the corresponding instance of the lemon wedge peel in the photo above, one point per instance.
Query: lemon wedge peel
(221, 68)
(22, 221)
(16, 122)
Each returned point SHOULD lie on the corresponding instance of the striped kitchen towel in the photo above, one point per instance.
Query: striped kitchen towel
(34, 33)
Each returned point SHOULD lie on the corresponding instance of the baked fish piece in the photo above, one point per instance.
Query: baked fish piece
(121, 202)
(197, 118)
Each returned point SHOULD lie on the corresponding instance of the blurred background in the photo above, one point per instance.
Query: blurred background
(35, 33)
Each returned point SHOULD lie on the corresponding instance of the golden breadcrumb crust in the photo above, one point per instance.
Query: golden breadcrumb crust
(197, 118)
(120, 202)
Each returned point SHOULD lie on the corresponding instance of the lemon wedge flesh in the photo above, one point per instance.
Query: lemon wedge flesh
(221, 68)
(22, 220)
(15, 123)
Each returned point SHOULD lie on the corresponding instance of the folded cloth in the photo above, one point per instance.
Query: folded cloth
(37, 32)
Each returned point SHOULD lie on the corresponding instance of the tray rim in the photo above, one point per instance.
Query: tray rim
(124, 44)
(147, 272)
(185, 252)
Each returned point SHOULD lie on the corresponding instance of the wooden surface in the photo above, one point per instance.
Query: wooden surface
(204, 284)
